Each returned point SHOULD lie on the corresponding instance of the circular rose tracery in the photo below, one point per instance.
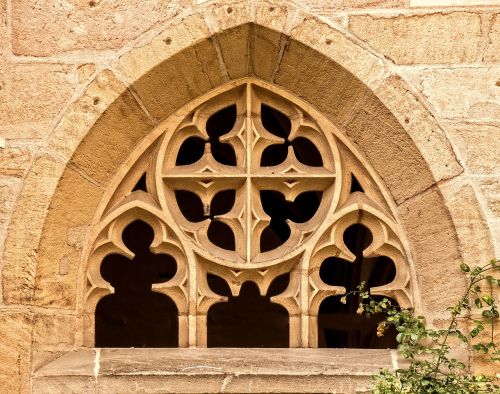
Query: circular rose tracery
(270, 154)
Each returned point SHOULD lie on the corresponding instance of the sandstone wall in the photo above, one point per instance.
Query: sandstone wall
(447, 53)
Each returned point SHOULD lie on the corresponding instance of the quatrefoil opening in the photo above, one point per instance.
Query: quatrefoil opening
(339, 325)
(280, 125)
(218, 124)
(134, 315)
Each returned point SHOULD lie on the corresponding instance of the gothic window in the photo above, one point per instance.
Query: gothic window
(240, 222)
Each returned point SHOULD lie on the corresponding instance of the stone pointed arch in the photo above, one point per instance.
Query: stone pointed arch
(278, 42)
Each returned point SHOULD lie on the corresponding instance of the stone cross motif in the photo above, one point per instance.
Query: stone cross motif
(248, 183)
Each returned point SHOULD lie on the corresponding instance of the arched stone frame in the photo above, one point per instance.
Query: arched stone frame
(302, 254)
(406, 146)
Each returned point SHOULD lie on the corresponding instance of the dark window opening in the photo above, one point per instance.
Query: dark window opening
(355, 185)
(248, 320)
(219, 124)
(299, 211)
(278, 124)
(339, 325)
(141, 184)
(135, 316)
(191, 206)
(190, 151)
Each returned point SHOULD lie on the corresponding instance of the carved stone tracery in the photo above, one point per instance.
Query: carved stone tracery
(249, 185)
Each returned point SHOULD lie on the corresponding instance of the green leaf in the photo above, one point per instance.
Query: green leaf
(488, 299)
(464, 267)
(478, 302)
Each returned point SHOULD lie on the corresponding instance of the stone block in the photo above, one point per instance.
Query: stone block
(421, 126)
(492, 52)
(390, 149)
(478, 145)
(334, 44)
(55, 332)
(15, 350)
(436, 38)
(176, 37)
(463, 92)
(320, 81)
(14, 160)
(235, 50)
(31, 97)
(179, 79)
(83, 113)
(25, 229)
(490, 188)
(326, 6)
(470, 224)
(94, 25)
(73, 205)
(228, 14)
(273, 14)
(435, 250)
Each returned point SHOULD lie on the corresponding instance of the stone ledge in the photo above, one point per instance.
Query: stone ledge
(213, 370)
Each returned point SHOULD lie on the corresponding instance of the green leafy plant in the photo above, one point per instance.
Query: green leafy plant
(431, 369)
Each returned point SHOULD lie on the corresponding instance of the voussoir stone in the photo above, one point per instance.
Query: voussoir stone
(50, 28)
(431, 38)
(492, 53)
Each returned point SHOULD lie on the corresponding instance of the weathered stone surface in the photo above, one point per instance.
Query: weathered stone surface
(470, 223)
(94, 25)
(325, 6)
(14, 161)
(492, 53)
(122, 126)
(445, 3)
(235, 50)
(478, 145)
(31, 96)
(463, 92)
(181, 78)
(85, 71)
(421, 126)
(431, 38)
(227, 14)
(83, 113)
(318, 80)
(490, 188)
(54, 332)
(20, 256)
(434, 245)
(74, 204)
(138, 61)
(332, 43)
(219, 370)
(389, 148)
(15, 348)
(9, 190)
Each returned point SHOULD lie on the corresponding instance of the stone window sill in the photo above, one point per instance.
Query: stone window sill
(213, 370)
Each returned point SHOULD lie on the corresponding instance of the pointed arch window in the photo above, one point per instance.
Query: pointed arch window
(240, 222)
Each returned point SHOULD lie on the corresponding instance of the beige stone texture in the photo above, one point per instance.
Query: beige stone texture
(428, 39)
(79, 117)
(388, 147)
(463, 92)
(94, 25)
(138, 61)
(15, 350)
(54, 332)
(336, 46)
(117, 131)
(183, 77)
(478, 145)
(14, 160)
(326, 6)
(490, 187)
(85, 71)
(492, 53)
(434, 248)
(57, 287)
(421, 126)
(20, 255)
(471, 226)
(451, 3)
(9, 190)
(31, 97)
(308, 74)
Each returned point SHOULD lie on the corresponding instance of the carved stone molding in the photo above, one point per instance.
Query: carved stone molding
(247, 183)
